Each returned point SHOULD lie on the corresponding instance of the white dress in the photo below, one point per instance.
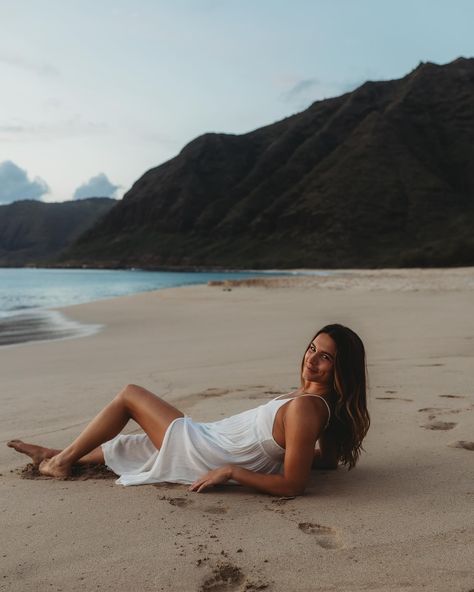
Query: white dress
(191, 449)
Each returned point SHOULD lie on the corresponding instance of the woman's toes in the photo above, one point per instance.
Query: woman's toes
(35, 452)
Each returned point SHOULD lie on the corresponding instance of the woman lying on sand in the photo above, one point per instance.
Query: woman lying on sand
(270, 448)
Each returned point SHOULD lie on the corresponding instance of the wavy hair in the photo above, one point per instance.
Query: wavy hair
(350, 385)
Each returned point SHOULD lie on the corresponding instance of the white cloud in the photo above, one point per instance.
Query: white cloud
(17, 129)
(301, 89)
(15, 185)
(308, 90)
(98, 186)
(22, 63)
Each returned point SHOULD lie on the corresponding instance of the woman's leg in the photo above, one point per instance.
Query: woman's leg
(152, 413)
(40, 453)
(35, 452)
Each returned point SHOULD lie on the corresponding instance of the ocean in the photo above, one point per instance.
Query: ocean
(28, 297)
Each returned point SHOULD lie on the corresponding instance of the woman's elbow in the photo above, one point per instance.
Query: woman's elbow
(294, 489)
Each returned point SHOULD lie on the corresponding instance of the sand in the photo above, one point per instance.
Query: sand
(401, 520)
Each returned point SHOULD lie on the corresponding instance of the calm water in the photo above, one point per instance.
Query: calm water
(23, 289)
(27, 296)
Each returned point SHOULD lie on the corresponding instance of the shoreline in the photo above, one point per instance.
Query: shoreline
(29, 321)
(49, 324)
(39, 326)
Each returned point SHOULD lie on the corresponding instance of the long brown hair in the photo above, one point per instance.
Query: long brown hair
(350, 385)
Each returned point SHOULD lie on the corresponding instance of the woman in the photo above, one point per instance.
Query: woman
(270, 448)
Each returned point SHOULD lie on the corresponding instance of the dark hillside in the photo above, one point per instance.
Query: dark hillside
(32, 232)
(381, 176)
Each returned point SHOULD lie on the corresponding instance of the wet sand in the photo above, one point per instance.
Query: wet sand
(40, 325)
(401, 520)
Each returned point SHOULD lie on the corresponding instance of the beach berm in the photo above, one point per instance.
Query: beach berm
(402, 519)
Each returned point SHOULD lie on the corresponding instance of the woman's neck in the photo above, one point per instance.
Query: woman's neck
(315, 388)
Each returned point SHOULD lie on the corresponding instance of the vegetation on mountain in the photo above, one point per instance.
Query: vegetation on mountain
(380, 176)
(32, 232)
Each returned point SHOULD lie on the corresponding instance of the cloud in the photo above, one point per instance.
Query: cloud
(22, 63)
(307, 90)
(304, 92)
(72, 127)
(300, 89)
(98, 186)
(15, 185)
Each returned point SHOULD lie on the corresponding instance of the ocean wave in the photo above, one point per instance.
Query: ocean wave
(41, 325)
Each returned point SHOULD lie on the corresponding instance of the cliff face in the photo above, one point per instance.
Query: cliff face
(32, 232)
(381, 176)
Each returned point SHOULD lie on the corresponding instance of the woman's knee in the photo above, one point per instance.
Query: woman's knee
(129, 393)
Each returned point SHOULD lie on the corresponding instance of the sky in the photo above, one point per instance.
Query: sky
(96, 92)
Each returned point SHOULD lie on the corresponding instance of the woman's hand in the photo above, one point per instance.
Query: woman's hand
(215, 477)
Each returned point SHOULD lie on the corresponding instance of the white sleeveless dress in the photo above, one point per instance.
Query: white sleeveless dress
(191, 449)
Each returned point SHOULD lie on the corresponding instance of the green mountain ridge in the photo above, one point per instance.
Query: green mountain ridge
(380, 176)
(33, 232)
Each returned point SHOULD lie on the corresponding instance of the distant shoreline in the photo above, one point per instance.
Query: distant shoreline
(29, 313)
(167, 268)
(48, 324)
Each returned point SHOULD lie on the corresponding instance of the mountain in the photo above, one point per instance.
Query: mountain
(380, 176)
(32, 232)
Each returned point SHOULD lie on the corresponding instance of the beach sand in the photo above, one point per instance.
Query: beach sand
(401, 520)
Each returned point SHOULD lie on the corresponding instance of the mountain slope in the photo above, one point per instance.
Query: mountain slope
(381, 176)
(32, 232)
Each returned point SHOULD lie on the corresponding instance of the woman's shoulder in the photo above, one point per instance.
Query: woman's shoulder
(308, 409)
(307, 401)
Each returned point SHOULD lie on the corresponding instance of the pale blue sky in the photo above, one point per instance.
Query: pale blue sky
(116, 87)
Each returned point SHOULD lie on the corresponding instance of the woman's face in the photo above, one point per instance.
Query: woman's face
(318, 365)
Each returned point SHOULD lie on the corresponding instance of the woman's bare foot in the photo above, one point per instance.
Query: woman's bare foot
(36, 453)
(54, 467)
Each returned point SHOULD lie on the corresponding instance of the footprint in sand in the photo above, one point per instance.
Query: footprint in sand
(229, 578)
(439, 425)
(215, 392)
(79, 473)
(279, 505)
(282, 501)
(443, 411)
(215, 510)
(427, 365)
(432, 411)
(462, 444)
(273, 392)
(394, 398)
(326, 537)
(268, 393)
(180, 502)
(225, 578)
(254, 396)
